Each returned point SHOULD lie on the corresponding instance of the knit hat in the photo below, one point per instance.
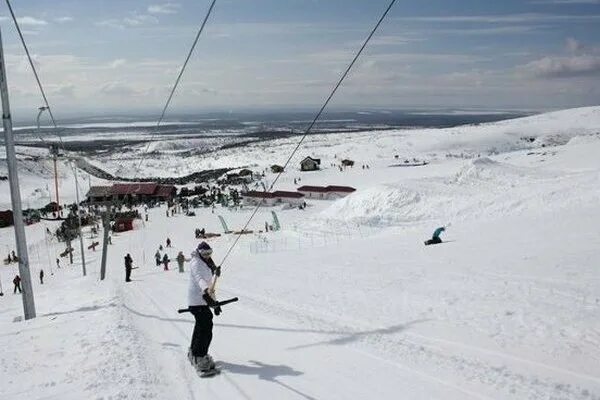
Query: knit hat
(204, 250)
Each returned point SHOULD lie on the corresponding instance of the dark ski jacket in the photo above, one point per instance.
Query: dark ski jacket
(438, 232)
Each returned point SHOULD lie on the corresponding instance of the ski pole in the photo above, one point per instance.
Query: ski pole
(219, 304)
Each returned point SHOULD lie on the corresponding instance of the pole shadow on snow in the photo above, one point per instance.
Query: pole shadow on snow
(80, 309)
(266, 372)
(140, 314)
(170, 345)
(349, 337)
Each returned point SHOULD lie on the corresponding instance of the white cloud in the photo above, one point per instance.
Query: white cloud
(118, 89)
(31, 21)
(504, 18)
(166, 8)
(63, 90)
(62, 20)
(116, 63)
(132, 21)
(139, 19)
(390, 40)
(573, 45)
(565, 2)
(563, 67)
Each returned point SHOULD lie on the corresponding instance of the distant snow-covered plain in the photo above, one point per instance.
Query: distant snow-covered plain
(344, 302)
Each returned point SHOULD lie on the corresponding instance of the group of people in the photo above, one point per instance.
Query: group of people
(201, 299)
(12, 257)
(164, 259)
(17, 282)
(161, 259)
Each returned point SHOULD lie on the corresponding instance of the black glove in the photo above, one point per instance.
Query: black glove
(218, 310)
(218, 271)
(209, 300)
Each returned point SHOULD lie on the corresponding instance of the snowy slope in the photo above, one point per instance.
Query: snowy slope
(346, 302)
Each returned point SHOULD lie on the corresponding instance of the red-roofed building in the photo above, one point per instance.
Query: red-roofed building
(254, 197)
(313, 192)
(165, 192)
(325, 192)
(272, 198)
(291, 198)
(339, 191)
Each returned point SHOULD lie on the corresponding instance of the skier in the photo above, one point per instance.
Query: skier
(168, 242)
(128, 267)
(57, 263)
(202, 269)
(165, 261)
(180, 260)
(17, 282)
(435, 239)
(157, 257)
(41, 276)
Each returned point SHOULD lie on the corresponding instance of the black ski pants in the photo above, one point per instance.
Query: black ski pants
(127, 274)
(202, 335)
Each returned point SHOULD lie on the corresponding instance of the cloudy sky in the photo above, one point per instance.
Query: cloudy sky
(99, 56)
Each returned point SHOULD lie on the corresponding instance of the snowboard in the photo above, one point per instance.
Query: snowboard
(209, 373)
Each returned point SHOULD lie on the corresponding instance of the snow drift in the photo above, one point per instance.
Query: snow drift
(482, 188)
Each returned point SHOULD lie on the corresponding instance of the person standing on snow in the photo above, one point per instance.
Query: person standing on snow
(17, 283)
(41, 276)
(202, 269)
(168, 242)
(165, 261)
(435, 239)
(180, 260)
(128, 267)
(157, 257)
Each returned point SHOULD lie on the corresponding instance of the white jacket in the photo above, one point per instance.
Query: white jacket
(200, 280)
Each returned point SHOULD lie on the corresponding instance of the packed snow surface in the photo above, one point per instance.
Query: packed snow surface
(345, 302)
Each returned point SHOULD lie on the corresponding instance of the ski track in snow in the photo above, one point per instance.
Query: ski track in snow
(415, 354)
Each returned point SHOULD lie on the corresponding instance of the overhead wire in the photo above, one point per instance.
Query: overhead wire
(176, 84)
(168, 102)
(29, 58)
(49, 109)
(309, 128)
(37, 79)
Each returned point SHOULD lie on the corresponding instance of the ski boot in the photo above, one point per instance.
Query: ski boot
(205, 366)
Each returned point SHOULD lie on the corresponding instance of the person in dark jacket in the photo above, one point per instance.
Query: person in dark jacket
(435, 238)
(17, 282)
(157, 257)
(180, 260)
(41, 276)
(128, 267)
(165, 261)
